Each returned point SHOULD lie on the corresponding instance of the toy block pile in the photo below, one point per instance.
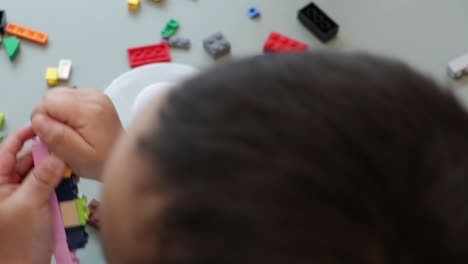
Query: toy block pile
(217, 45)
(74, 211)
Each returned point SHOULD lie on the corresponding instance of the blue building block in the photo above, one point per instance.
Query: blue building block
(217, 45)
(77, 237)
(253, 12)
(317, 22)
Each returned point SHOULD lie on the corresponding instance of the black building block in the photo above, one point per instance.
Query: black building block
(319, 23)
(67, 190)
(2, 22)
(77, 237)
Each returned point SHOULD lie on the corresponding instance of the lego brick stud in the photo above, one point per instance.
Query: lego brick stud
(217, 45)
(317, 22)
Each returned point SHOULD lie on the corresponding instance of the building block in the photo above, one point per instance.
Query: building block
(69, 214)
(2, 119)
(178, 42)
(253, 12)
(317, 22)
(82, 210)
(26, 33)
(170, 28)
(67, 189)
(76, 237)
(64, 70)
(458, 67)
(52, 76)
(2, 21)
(68, 173)
(278, 43)
(12, 45)
(133, 4)
(74, 212)
(217, 45)
(148, 54)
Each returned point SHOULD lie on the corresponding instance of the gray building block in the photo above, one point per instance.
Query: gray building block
(178, 42)
(217, 45)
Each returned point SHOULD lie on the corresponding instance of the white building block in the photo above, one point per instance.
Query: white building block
(64, 70)
(458, 67)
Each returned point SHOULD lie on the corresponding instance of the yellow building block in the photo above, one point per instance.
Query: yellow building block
(69, 214)
(52, 76)
(133, 4)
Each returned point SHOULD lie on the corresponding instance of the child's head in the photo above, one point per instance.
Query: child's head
(293, 158)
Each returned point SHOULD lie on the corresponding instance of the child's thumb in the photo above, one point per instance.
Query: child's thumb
(42, 180)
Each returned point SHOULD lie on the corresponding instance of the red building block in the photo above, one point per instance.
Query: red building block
(277, 43)
(148, 54)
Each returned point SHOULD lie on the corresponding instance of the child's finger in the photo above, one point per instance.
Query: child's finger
(15, 141)
(10, 148)
(24, 164)
(60, 139)
(42, 180)
(62, 104)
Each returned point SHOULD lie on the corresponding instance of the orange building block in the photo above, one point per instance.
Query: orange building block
(68, 173)
(26, 33)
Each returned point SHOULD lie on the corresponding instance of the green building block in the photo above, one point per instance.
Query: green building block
(170, 28)
(2, 119)
(82, 209)
(11, 45)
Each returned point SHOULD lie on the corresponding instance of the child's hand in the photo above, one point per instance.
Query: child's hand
(79, 126)
(25, 215)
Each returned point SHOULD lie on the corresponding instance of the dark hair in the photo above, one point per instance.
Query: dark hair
(312, 158)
